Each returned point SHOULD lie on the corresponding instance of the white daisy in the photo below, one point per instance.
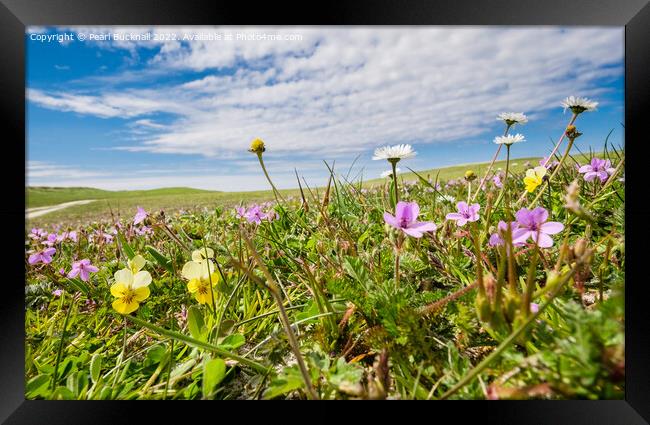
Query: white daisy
(509, 139)
(389, 173)
(579, 104)
(394, 153)
(512, 118)
(448, 198)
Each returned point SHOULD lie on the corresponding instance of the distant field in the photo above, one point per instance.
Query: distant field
(124, 203)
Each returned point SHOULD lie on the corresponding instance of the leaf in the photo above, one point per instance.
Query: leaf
(80, 286)
(289, 380)
(125, 246)
(195, 322)
(37, 386)
(232, 341)
(354, 267)
(95, 367)
(160, 259)
(213, 373)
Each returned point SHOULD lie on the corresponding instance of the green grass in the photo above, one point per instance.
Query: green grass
(124, 203)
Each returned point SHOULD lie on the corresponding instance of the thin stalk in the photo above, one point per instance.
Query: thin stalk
(530, 282)
(557, 169)
(506, 342)
(394, 165)
(494, 158)
(60, 351)
(293, 342)
(276, 192)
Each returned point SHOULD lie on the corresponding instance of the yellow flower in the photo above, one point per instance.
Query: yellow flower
(130, 290)
(534, 178)
(136, 263)
(199, 276)
(198, 255)
(257, 146)
(470, 175)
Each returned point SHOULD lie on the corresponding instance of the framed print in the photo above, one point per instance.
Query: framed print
(418, 202)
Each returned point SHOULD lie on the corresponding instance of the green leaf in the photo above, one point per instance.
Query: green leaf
(232, 341)
(195, 322)
(79, 285)
(62, 393)
(125, 245)
(37, 386)
(160, 259)
(213, 373)
(354, 267)
(95, 367)
(290, 379)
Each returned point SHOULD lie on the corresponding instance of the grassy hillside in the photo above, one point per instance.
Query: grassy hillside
(124, 203)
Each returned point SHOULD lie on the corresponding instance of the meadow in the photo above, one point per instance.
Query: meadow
(490, 281)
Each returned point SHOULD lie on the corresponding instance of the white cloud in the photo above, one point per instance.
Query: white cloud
(341, 91)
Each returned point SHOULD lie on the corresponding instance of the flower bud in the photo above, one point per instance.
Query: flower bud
(257, 146)
(580, 247)
(470, 175)
(572, 133)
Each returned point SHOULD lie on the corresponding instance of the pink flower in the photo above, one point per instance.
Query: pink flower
(601, 168)
(57, 292)
(405, 217)
(497, 239)
(44, 256)
(533, 224)
(465, 213)
(82, 268)
(497, 181)
(140, 216)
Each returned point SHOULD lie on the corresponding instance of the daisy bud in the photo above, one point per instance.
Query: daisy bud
(469, 175)
(257, 146)
(572, 133)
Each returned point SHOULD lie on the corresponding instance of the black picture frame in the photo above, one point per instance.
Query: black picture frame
(634, 15)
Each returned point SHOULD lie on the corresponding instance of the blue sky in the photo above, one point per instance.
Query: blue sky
(143, 113)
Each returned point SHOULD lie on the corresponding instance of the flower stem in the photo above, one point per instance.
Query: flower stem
(494, 158)
(394, 165)
(276, 192)
(557, 169)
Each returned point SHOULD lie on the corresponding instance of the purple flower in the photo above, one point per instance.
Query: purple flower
(533, 224)
(534, 308)
(140, 216)
(143, 230)
(405, 217)
(600, 168)
(496, 239)
(240, 212)
(37, 233)
(51, 239)
(82, 268)
(497, 181)
(551, 164)
(44, 256)
(57, 292)
(465, 213)
(62, 271)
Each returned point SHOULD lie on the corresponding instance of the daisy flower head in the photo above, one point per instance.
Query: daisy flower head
(130, 290)
(579, 105)
(394, 153)
(512, 118)
(509, 139)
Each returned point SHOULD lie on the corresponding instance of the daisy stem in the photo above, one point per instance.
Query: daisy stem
(469, 192)
(549, 158)
(494, 158)
(394, 165)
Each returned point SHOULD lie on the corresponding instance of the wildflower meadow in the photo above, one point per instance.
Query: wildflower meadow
(498, 284)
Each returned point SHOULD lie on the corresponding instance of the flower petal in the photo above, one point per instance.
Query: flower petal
(191, 270)
(124, 276)
(125, 308)
(118, 290)
(390, 219)
(137, 263)
(141, 293)
(544, 241)
(141, 279)
(552, 227)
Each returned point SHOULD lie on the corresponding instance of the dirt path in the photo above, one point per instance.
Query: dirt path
(37, 212)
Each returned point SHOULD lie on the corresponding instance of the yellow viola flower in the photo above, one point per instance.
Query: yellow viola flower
(136, 263)
(199, 276)
(534, 178)
(198, 255)
(130, 290)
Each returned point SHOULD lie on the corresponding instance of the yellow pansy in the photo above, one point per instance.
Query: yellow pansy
(198, 255)
(199, 276)
(130, 290)
(136, 263)
(534, 178)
